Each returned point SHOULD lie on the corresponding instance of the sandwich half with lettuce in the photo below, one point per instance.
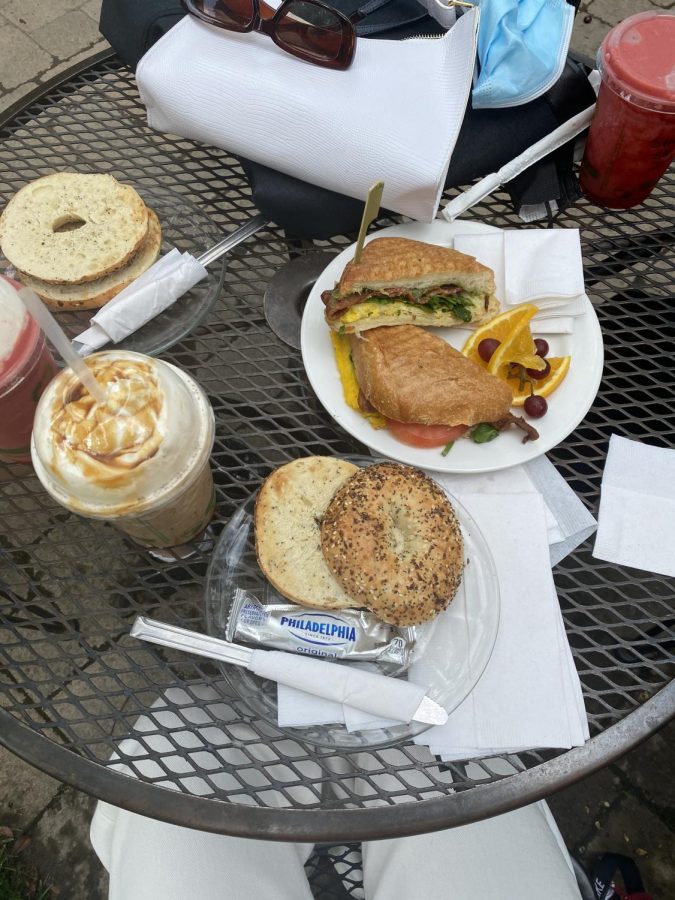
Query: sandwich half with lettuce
(402, 282)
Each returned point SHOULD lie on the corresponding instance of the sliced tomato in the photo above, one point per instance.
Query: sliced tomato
(425, 435)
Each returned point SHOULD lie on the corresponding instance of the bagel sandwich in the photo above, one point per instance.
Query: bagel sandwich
(398, 281)
(406, 375)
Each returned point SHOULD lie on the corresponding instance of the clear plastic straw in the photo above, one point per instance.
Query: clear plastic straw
(56, 335)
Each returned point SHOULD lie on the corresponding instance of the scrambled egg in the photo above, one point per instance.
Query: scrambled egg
(374, 310)
(350, 386)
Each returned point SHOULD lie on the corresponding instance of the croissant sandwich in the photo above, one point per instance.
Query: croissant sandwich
(399, 281)
(410, 376)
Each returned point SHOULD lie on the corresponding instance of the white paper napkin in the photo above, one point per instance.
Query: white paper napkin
(149, 295)
(537, 266)
(297, 708)
(358, 687)
(393, 115)
(529, 695)
(568, 522)
(535, 494)
(544, 266)
(637, 507)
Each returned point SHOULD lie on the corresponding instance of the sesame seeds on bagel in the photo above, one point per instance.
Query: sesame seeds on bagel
(391, 538)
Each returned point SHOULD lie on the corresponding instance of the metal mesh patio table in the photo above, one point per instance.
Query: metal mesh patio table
(73, 683)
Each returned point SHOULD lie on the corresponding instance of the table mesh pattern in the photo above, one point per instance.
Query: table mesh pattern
(70, 588)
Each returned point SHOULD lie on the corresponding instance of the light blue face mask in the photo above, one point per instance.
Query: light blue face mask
(522, 46)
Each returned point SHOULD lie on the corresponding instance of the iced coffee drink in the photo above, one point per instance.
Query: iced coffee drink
(141, 459)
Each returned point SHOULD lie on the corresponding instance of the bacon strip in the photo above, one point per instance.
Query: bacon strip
(335, 306)
(531, 433)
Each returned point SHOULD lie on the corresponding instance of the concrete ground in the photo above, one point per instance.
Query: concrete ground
(628, 807)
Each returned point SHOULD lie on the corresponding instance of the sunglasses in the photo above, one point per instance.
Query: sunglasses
(309, 29)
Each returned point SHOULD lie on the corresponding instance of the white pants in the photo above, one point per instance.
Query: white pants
(520, 854)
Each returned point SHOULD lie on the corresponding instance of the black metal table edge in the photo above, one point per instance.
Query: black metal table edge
(333, 825)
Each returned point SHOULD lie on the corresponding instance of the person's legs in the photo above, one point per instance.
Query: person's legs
(519, 854)
(150, 860)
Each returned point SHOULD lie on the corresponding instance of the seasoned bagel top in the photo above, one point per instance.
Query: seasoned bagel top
(391, 538)
(72, 228)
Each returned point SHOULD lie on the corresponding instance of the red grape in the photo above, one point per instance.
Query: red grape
(533, 373)
(536, 406)
(487, 347)
(541, 347)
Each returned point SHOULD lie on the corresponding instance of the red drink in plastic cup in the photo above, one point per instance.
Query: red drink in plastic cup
(26, 368)
(631, 141)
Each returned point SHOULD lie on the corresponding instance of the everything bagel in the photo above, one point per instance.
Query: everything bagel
(70, 228)
(391, 538)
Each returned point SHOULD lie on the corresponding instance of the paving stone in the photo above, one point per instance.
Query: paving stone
(613, 11)
(577, 808)
(10, 97)
(24, 791)
(646, 768)
(587, 36)
(60, 850)
(632, 829)
(20, 58)
(68, 34)
(93, 9)
(7, 98)
(29, 15)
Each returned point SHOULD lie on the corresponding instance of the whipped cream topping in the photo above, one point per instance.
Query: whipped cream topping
(150, 436)
(13, 320)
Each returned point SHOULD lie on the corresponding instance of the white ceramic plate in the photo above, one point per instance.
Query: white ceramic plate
(567, 406)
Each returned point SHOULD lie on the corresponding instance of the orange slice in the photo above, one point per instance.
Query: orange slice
(518, 348)
(560, 366)
(501, 328)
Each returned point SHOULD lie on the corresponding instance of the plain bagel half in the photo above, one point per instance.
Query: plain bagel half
(70, 227)
(391, 538)
(94, 294)
(289, 508)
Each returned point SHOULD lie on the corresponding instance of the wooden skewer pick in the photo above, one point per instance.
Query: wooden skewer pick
(370, 211)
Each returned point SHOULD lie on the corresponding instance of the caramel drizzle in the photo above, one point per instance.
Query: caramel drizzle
(107, 442)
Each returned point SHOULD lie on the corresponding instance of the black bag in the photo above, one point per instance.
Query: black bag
(488, 137)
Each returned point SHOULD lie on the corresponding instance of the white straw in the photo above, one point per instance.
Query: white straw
(56, 335)
(556, 138)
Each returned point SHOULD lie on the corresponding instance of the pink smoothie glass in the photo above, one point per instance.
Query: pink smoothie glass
(26, 368)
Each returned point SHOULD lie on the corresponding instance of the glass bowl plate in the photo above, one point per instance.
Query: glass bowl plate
(450, 652)
(188, 228)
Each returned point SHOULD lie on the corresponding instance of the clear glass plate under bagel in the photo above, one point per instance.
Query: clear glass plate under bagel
(449, 656)
(190, 229)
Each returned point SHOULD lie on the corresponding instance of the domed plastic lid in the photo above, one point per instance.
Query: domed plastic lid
(637, 58)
